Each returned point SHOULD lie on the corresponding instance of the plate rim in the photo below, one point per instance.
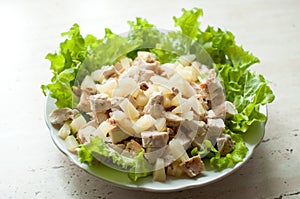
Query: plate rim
(73, 158)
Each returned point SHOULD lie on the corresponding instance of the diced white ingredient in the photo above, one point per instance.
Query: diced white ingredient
(152, 88)
(126, 126)
(188, 115)
(108, 87)
(117, 135)
(182, 85)
(103, 129)
(196, 66)
(147, 56)
(143, 123)
(182, 108)
(186, 74)
(167, 102)
(178, 151)
(175, 169)
(88, 84)
(125, 87)
(97, 75)
(129, 109)
(186, 60)
(154, 139)
(165, 90)
(141, 99)
(159, 173)
(71, 143)
(64, 131)
(177, 100)
(160, 124)
(196, 105)
(125, 62)
(159, 80)
(135, 92)
(118, 115)
(85, 133)
(77, 123)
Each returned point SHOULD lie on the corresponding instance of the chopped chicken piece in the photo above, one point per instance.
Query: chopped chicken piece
(214, 129)
(173, 121)
(154, 139)
(59, 116)
(230, 110)
(186, 133)
(193, 167)
(109, 71)
(153, 153)
(117, 135)
(85, 133)
(201, 133)
(84, 104)
(225, 110)
(147, 56)
(225, 144)
(117, 147)
(115, 102)
(155, 107)
(132, 148)
(88, 85)
(100, 103)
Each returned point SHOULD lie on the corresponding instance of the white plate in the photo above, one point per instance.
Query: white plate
(252, 138)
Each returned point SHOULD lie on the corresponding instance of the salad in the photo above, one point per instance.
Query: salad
(154, 102)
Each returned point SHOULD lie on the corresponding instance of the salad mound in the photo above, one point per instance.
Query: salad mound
(146, 103)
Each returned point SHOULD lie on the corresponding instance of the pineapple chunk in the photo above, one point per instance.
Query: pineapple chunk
(118, 115)
(64, 131)
(196, 105)
(159, 80)
(103, 129)
(167, 102)
(125, 62)
(71, 143)
(97, 75)
(177, 100)
(126, 126)
(160, 124)
(144, 123)
(178, 151)
(152, 88)
(108, 87)
(159, 173)
(125, 87)
(88, 84)
(186, 60)
(77, 123)
(165, 90)
(141, 99)
(182, 108)
(188, 115)
(129, 109)
(182, 85)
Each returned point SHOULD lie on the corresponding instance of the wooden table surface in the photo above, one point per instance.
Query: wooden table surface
(32, 167)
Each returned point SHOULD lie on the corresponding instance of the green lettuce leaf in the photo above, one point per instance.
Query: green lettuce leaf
(188, 22)
(65, 65)
(136, 167)
(248, 91)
